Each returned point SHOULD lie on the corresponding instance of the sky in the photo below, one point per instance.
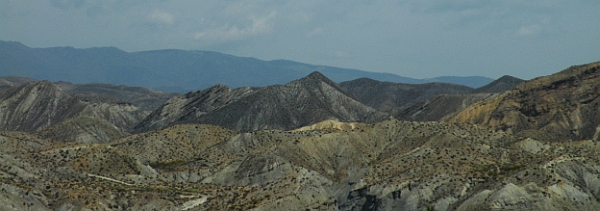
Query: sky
(412, 38)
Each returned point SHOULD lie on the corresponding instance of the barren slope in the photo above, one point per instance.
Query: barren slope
(36, 105)
(393, 97)
(40, 105)
(559, 107)
(299, 103)
(392, 165)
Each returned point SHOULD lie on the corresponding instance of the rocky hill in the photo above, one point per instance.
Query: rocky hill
(41, 105)
(436, 108)
(141, 97)
(392, 97)
(502, 84)
(35, 106)
(303, 102)
(423, 102)
(84, 129)
(192, 105)
(559, 107)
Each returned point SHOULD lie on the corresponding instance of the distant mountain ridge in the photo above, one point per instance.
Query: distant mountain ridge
(175, 70)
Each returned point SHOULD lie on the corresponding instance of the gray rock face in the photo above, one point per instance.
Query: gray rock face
(302, 102)
(576, 190)
(41, 105)
(191, 106)
(35, 106)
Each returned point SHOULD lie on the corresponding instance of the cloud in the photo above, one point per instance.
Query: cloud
(257, 26)
(314, 32)
(6, 6)
(529, 30)
(342, 55)
(161, 18)
(64, 4)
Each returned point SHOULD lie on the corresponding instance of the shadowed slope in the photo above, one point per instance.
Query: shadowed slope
(392, 97)
(302, 102)
(436, 108)
(502, 84)
(191, 105)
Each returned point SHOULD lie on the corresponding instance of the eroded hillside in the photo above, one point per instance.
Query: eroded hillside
(302, 102)
(386, 166)
(559, 107)
(306, 145)
(42, 105)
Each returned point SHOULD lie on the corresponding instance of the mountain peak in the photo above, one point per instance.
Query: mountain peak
(501, 84)
(509, 79)
(316, 75)
(44, 86)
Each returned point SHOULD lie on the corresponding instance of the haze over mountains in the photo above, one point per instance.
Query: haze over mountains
(307, 144)
(175, 70)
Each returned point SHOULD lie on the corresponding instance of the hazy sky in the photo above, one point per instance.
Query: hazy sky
(414, 38)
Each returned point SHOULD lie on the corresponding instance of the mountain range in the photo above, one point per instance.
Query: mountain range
(307, 144)
(175, 70)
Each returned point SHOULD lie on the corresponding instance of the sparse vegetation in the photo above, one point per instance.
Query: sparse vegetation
(207, 167)
(166, 164)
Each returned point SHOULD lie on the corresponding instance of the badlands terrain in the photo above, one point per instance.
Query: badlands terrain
(311, 144)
